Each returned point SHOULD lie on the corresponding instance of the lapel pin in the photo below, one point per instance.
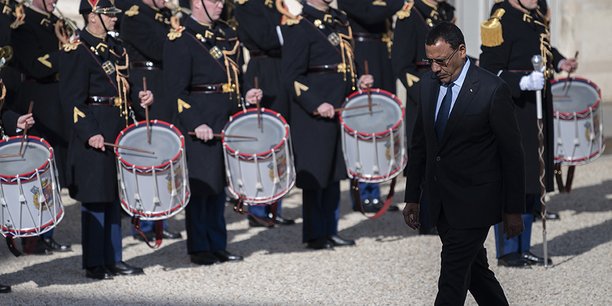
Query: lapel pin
(471, 90)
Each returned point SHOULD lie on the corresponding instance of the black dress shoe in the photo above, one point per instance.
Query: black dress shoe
(260, 222)
(338, 241)
(225, 256)
(98, 272)
(550, 215)
(122, 268)
(514, 260)
(533, 259)
(5, 288)
(282, 221)
(55, 246)
(204, 258)
(35, 246)
(319, 244)
(170, 235)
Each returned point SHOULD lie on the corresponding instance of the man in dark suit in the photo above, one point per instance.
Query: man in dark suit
(466, 150)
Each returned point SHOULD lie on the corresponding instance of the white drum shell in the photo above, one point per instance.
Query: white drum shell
(155, 192)
(579, 133)
(263, 177)
(380, 156)
(32, 204)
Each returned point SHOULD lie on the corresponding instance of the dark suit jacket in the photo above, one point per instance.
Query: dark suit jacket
(476, 171)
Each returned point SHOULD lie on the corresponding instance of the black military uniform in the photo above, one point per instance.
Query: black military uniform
(37, 50)
(371, 22)
(143, 31)
(197, 84)
(92, 69)
(510, 39)
(9, 74)
(258, 30)
(317, 68)
(409, 65)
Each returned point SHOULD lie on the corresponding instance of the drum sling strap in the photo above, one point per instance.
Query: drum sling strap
(158, 228)
(239, 208)
(10, 242)
(357, 199)
(569, 179)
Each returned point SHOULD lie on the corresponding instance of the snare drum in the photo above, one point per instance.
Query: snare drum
(29, 192)
(152, 186)
(373, 142)
(258, 171)
(577, 121)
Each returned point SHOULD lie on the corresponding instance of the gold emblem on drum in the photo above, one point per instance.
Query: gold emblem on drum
(281, 166)
(36, 195)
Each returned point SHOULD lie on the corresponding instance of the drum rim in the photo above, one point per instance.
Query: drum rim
(359, 92)
(154, 122)
(170, 212)
(28, 176)
(572, 115)
(248, 111)
(582, 160)
(20, 232)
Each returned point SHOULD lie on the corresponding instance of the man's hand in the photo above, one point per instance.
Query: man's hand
(26, 121)
(366, 81)
(253, 96)
(146, 98)
(97, 142)
(326, 110)
(411, 215)
(513, 224)
(204, 132)
(568, 65)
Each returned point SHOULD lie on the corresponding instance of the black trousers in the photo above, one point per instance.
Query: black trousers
(319, 211)
(465, 267)
(101, 234)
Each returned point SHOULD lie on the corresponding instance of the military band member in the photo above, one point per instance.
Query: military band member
(94, 87)
(10, 122)
(37, 49)
(144, 27)
(258, 30)
(371, 22)
(202, 81)
(414, 21)
(516, 31)
(319, 71)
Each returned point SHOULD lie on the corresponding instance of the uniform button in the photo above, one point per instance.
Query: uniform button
(438, 158)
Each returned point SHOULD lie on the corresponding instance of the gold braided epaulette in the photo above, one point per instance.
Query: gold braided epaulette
(176, 30)
(404, 12)
(133, 11)
(491, 32)
(72, 45)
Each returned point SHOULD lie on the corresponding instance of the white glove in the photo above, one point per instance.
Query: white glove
(532, 82)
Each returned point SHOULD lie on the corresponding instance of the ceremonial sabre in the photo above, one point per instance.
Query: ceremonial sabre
(538, 65)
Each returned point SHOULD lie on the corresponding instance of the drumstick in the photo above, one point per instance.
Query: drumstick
(566, 86)
(369, 92)
(25, 130)
(257, 103)
(128, 148)
(144, 88)
(228, 136)
(10, 155)
(339, 109)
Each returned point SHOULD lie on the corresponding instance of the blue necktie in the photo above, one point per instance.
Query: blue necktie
(444, 111)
